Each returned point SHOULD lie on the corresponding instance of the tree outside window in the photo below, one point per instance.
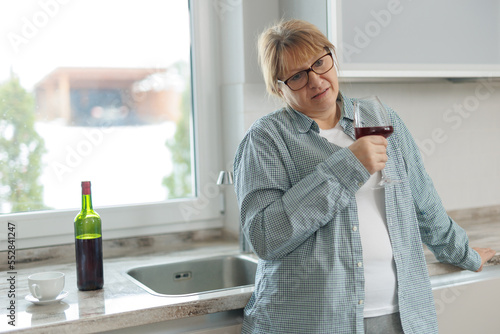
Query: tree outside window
(21, 150)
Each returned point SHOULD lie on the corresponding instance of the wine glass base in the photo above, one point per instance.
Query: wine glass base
(388, 182)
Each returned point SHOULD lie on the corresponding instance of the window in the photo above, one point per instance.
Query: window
(102, 91)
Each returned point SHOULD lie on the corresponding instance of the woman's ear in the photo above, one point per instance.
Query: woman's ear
(278, 91)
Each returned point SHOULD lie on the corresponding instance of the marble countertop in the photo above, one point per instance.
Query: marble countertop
(121, 303)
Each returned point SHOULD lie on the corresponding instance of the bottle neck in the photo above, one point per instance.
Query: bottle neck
(87, 203)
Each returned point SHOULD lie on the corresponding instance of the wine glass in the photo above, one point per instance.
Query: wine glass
(371, 118)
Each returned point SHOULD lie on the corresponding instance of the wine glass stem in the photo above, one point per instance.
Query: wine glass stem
(384, 175)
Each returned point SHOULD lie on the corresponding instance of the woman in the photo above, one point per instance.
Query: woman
(336, 255)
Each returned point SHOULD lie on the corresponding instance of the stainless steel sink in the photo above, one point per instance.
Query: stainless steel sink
(197, 276)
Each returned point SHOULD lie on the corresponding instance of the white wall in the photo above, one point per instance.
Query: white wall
(457, 127)
(463, 156)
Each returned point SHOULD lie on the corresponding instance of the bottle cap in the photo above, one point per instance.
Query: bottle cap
(85, 187)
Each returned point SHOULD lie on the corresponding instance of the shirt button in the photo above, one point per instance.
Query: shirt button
(360, 302)
(354, 228)
(360, 184)
(360, 264)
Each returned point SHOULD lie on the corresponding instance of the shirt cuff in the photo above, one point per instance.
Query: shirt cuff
(473, 261)
(349, 171)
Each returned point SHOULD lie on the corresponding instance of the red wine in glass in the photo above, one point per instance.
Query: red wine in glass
(384, 131)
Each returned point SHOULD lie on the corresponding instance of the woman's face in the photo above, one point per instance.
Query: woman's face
(317, 99)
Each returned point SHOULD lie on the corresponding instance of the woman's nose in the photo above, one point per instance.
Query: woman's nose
(314, 79)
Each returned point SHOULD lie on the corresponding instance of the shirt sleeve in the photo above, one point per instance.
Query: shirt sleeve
(444, 237)
(278, 216)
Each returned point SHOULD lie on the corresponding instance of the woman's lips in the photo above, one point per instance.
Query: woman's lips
(320, 95)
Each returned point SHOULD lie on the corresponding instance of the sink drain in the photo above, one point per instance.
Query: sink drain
(183, 276)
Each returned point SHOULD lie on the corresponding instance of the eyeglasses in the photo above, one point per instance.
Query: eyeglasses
(300, 79)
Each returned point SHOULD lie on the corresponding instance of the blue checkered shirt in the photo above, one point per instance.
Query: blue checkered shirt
(296, 193)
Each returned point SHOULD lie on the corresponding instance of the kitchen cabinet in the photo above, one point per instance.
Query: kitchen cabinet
(382, 40)
(228, 322)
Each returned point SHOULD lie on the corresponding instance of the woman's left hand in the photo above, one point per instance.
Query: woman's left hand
(486, 254)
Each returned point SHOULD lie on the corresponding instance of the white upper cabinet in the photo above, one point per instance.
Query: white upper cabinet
(420, 39)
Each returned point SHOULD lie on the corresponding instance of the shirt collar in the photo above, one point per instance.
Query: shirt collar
(347, 107)
(305, 123)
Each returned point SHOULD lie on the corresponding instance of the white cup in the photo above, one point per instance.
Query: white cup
(46, 286)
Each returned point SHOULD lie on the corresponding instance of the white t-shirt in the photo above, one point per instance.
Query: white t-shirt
(378, 260)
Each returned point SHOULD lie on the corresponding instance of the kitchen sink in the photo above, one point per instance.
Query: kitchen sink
(198, 276)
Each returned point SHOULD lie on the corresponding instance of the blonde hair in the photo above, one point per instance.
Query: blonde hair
(294, 40)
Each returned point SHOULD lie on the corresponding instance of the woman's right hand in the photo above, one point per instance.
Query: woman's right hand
(371, 152)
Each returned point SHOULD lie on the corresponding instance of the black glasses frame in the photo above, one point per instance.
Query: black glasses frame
(307, 72)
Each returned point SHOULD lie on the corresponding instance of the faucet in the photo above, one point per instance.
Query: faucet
(226, 178)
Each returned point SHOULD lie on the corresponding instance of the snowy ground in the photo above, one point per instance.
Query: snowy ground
(126, 164)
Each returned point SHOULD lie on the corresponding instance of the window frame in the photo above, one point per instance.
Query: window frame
(203, 211)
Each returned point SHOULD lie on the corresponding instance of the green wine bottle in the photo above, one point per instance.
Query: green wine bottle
(88, 244)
